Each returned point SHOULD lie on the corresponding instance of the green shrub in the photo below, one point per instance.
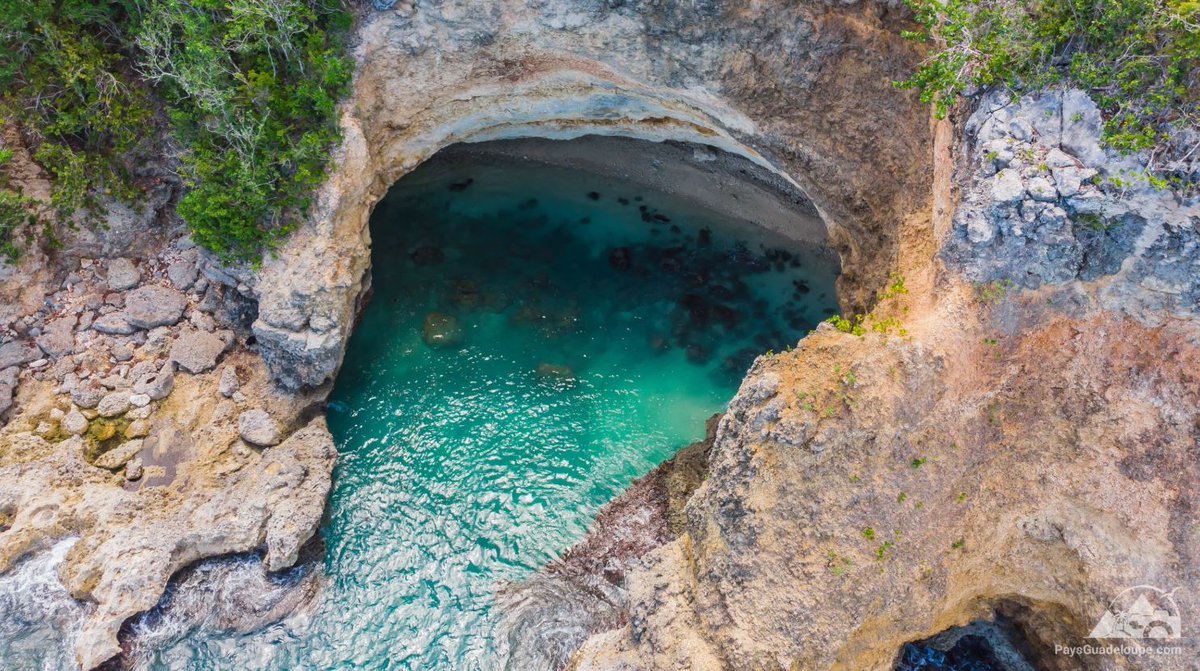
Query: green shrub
(1139, 59)
(249, 89)
(14, 219)
(66, 82)
(253, 87)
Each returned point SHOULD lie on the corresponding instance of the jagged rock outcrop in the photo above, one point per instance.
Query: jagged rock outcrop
(1045, 203)
(107, 442)
(1025, 448)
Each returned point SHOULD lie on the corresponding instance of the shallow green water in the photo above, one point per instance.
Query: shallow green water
(466, 466)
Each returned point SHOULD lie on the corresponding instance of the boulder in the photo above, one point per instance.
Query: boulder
(113, 404)
(1007, 187)
(156, 385)
(74, 422)
(58, 338)
(154, 305)
(197, 351)
(182, 274)
(134, 469)
(87, 396)
(1042, 190)
(113, 323)
(117, 457)
(258, 428)
(122, 275)
(229, 383)
(18, 352)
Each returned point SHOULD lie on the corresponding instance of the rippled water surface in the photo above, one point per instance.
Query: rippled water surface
(588, 330)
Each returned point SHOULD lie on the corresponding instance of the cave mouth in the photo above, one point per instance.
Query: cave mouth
(983, 645)
(547, 321)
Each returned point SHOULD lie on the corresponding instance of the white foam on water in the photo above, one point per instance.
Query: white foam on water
(38, 617)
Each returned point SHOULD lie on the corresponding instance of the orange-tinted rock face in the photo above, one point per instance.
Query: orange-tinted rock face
(1012, 446)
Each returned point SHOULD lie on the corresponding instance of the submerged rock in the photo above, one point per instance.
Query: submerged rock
(620, 258)
(427, 255)
(549, 370)
(441, 330)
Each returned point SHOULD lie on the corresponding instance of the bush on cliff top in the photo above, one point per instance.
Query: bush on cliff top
(248, 87)
(1139, 59)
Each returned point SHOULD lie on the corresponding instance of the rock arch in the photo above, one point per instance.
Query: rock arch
(803, 91)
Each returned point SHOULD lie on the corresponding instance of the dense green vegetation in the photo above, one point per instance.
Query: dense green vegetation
(1139, 59)
(15, 216)
(247, 89)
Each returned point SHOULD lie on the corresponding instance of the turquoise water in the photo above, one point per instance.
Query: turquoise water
(597, 327)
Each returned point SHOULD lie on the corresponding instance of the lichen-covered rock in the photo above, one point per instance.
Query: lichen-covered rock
(58, 337)
(182, 273)
(154, 305)
(1064, 210)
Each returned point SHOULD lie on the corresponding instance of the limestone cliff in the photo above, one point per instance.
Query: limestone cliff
(1023, 448)
(802, 88)
(1018, 437)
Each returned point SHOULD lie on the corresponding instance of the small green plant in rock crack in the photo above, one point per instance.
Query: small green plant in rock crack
(868, 533)
(857, 324)
(838, 564)
(992, 412)
(990, 293)
(994, 343)
(882, 550)
(16, 214)
(918, 462)
(1095, 222)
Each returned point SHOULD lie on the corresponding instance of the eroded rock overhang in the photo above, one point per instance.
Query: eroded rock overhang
(771, 85)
